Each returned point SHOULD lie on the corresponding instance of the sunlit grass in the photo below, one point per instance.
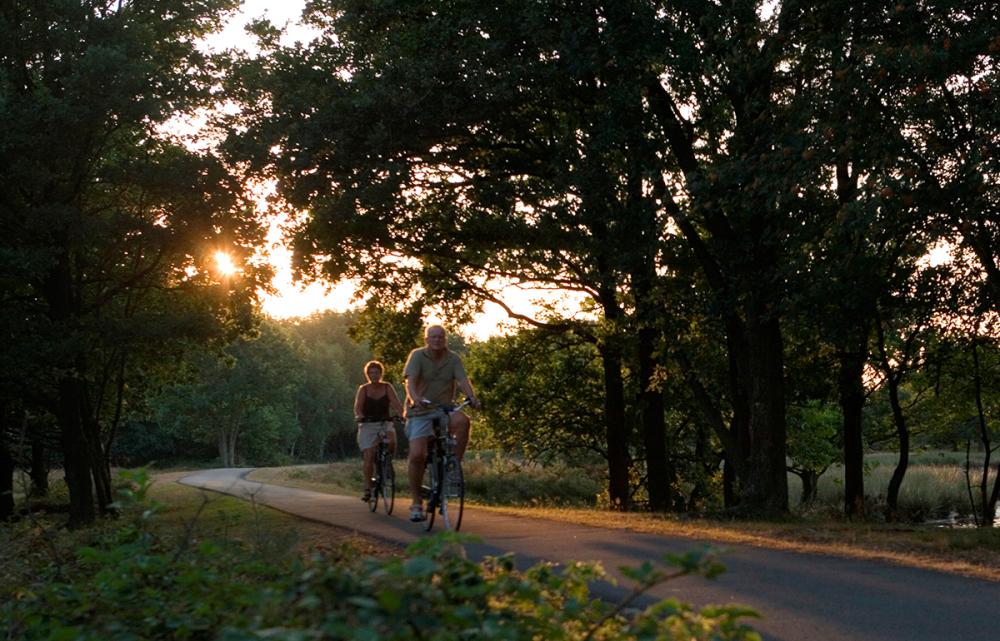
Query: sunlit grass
(935, 486)
(489, 480)
(497, 484)
(182, 514)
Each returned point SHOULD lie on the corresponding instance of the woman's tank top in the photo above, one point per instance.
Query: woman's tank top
(377, 408)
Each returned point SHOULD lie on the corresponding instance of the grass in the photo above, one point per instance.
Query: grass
(967, 551)
(185, 514)
(506, 487)
(492, 480)
(934, 487)
(228, 517)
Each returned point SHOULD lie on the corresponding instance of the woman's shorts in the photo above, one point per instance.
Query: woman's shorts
(368, 433)
(423, 424)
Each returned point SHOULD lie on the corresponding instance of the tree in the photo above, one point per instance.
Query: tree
(243, 399)
(113, 226)
(332, 364)
(535, 408)
(470, 173)
(536, 143)
(812, 444)
(572, 144)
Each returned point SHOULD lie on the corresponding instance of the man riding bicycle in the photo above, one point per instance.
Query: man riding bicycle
(432, 373)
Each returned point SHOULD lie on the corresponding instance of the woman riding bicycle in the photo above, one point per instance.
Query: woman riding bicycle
(432, 373)
(374, 406)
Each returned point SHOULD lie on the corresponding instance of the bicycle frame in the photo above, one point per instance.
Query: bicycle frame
(384, 476)
(443, 474)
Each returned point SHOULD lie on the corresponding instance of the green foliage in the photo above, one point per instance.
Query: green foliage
(390, 333)
(285, 394)
(131, 583)
(436, 592)
(243, 397)
(812, 436)
(540, 395)
(110, 223)
(134, 584)
(147, 443)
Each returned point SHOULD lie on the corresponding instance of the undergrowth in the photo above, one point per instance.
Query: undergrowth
(128, 581)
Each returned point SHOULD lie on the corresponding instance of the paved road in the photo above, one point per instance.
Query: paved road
(802, 597)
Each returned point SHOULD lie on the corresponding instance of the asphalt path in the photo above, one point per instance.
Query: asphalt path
(801, 597)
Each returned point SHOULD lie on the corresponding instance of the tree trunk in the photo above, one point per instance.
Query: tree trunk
(63, 302)
(737, 465)
(902, 430)
(616, 429)
(227, 448)
(852, 400)
(730, 495)
(76, 452)
(809, 486)
(988, 500)
(39, 470)
(100, 467)
(6, 482)
(766, 489)
(660, 474)
(642, 252)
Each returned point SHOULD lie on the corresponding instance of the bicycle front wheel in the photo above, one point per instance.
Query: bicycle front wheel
(452, 494)
(433, 475)
(388, 488)
(374, 492)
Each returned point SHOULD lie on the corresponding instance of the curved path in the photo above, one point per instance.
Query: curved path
(801, 597)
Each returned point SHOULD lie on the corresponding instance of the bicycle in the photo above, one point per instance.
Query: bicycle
(445, 484)
(384, 480)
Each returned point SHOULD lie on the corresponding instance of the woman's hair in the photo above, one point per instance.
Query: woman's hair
(377, 364)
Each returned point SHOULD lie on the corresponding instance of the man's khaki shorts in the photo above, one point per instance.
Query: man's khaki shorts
(423, 424)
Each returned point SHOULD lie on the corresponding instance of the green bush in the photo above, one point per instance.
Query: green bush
(132, 584)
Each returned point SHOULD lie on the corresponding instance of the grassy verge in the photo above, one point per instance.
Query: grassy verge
(221, 516)
(967, 551)
(185, 515)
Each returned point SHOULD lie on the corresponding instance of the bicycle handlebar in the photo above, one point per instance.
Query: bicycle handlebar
(447, 409)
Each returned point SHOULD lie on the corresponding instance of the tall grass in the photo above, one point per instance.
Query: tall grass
(489, 479)
(934, 488)
(500, 480)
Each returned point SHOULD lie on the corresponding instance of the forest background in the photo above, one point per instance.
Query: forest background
(782, 218)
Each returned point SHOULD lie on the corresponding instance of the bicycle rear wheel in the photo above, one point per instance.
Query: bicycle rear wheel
(388, 488)
(452, 495)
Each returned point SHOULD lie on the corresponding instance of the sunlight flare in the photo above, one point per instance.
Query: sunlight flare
(224, 264)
